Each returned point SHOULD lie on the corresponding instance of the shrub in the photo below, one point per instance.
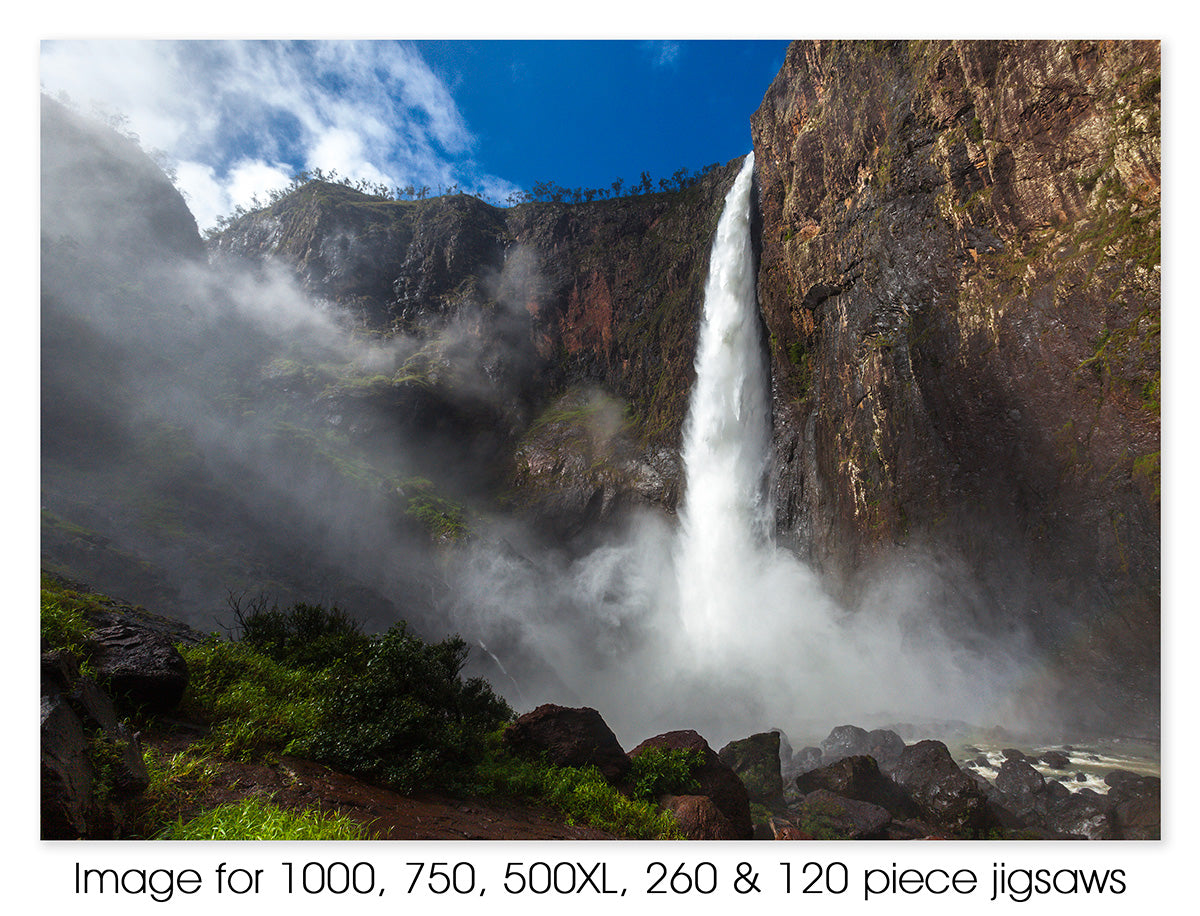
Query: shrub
(658, 771)
(407, 719)
(257, 819)
(306, 635)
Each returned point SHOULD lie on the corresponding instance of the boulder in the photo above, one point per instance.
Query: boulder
(717, 781)
(68, 809)
(805, 759)
(883, 744)
(91, 765)
(1018, 785)
(858, 778)
(1083, 814)
(844, 741)
(1136, 807)
(699, 818)
(140, 668)
(946, 796)
(1056, 760)
(572, 737)
(826, 816)
(756, 762)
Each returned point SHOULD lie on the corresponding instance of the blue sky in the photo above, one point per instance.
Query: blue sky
(236, 118)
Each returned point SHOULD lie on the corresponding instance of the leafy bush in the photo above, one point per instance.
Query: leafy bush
(407, 719)
(256, 819)
(659, 771)
(305, 636)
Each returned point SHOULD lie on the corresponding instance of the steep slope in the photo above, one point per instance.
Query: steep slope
(960, 278)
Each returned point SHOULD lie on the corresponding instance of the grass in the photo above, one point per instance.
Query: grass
(64, 617)
(261, 819)
(582, 794)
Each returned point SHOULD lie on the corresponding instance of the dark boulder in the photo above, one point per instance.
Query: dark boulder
(140, 668)
(569, 737)
(807, 758)
(844, 741)
(756, 762)
(91, 764)
(850, 740)
(1056, 760)
(858, 778)
(826, 816)
(1137, 807)
(717, 781)
(1018, 785)
(946, 796)
(1084, 814)
(699, 818)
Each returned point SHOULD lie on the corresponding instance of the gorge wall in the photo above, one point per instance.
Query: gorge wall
(960, 280)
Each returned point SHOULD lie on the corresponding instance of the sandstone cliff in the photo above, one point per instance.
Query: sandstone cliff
(960, 280)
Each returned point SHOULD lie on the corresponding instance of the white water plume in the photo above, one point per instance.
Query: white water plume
(726, 516)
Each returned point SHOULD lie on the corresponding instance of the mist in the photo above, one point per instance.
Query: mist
(218, 430)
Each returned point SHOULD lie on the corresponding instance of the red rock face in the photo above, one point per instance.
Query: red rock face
(960, 278)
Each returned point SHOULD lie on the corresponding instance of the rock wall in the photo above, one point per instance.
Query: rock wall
(960, 280)
(607, 292)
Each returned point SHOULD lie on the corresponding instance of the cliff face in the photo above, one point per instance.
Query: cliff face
(960, 279)
(552, 300)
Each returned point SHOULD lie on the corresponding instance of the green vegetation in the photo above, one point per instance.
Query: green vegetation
(64, 622)
(442, 519)
(392, 709)
(582, 794)
(389, 708)
(658, 771)
(258, 819)
(403, 717)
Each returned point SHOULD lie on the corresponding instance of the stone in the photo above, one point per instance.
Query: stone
(858, 778)
(1056, 760)
(699, 818)
(572, 737)
(141, 669)
(756, 762)
(945, 795)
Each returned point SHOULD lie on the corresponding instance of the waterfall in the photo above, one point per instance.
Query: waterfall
(726, 517)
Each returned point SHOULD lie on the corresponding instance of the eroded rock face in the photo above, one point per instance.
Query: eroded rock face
(960, 280)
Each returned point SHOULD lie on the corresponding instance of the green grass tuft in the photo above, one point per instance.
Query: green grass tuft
(258, 819)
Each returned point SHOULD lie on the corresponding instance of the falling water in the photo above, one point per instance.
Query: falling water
(726, 517)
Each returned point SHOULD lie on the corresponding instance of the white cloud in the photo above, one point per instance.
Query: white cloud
(238, 118)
